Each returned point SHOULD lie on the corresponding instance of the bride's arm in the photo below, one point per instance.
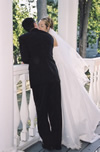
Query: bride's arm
(55, 42)
(51, 31)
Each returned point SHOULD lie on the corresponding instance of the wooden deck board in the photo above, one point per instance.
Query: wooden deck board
(35, 148)
(38, 148)
(92, 147)
(86, 147)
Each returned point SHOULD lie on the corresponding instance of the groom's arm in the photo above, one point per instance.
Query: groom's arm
(24, 51)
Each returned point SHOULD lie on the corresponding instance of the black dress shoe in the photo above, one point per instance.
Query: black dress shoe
(48, 147)
(57, 147)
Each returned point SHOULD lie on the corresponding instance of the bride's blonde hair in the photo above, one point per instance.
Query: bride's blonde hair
(48, 22)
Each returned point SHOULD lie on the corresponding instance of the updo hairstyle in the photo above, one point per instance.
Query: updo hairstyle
(48, 22)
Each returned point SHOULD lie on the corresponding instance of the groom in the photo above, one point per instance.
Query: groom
(36, 50)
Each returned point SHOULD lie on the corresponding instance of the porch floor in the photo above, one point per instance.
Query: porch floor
(86, 147)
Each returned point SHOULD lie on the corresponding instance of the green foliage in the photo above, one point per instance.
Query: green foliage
(52, 10)
(93, 32)
(94, 22)
(19, 14)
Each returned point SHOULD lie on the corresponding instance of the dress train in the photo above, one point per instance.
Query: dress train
(80, 116)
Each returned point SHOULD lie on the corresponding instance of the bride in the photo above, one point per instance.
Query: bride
(80, 115)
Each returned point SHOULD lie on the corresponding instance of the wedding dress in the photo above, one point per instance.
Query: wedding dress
(80, 116)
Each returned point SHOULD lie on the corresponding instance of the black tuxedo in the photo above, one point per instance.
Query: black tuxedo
(36, 50)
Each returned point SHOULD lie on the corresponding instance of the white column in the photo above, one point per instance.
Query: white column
(6, 76)
(67, 21)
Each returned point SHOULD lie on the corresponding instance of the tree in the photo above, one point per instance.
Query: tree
(89, 24)
(52, 10)
(48, 8)
(41, 9)
(94, 23)
(84, 9)
(18, 15)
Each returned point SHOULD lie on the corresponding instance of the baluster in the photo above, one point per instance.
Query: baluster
(98, 88)
(16, 113)
(91, 83)
(95, 86)
(24, 110)
(32, 114)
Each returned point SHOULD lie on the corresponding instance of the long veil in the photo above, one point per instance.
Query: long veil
(79, 112)
(71, 58)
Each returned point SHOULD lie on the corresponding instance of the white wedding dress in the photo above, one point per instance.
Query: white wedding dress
(80, 116)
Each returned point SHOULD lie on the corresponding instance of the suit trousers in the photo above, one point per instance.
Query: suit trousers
(47, 99)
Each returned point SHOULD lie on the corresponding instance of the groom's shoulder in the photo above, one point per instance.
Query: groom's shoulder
(49, 37)
(45, 33)
(23, 35)
(35, 33)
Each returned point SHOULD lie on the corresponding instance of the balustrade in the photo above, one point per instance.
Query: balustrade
(25, 115)
(94, 69)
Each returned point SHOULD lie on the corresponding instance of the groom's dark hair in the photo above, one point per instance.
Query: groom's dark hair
(28, 24)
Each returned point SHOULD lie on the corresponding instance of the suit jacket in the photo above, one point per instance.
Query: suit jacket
(36, 50)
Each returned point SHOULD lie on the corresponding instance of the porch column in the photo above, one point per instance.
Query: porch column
(67, 21)
(6, 76)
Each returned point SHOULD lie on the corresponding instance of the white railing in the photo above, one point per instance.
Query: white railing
(25, 118)
(25, 114)
(94, 69)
